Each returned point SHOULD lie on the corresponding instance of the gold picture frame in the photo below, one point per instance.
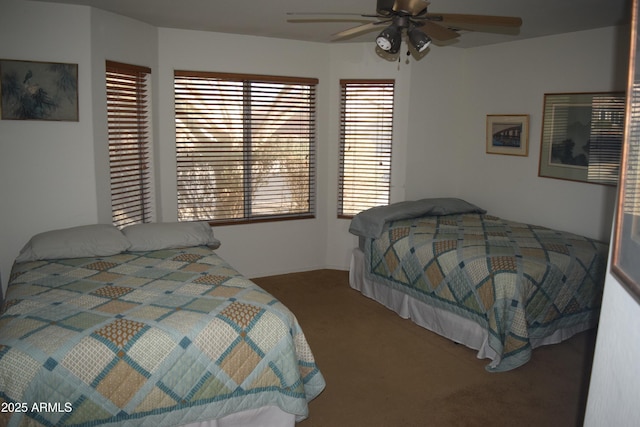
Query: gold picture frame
(508, 134)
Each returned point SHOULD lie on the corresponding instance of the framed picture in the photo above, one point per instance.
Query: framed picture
(508, 134)
(582, 137)
(38, 90)
(626, 239)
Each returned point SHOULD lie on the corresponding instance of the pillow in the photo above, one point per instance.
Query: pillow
(165, 235)
(370, 223)
(75, 242)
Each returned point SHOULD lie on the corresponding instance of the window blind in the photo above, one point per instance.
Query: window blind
(129, 142)
(631, 190)
(245, 146)
(366, 135)
(607, 133)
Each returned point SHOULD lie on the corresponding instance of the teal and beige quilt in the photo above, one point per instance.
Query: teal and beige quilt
(158, 338)
(517, 281)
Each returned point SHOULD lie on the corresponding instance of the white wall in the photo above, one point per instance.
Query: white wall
(615, 378)
(510, 78)
(280, 247)
(351, 61)
(263, 248)
(47, 177)
(436, 124)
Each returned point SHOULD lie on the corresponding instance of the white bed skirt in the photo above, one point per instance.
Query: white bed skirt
(445, 323)
(267, 416)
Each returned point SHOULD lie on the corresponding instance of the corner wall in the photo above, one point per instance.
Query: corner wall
(360, 61)
(115, 38)
(258, 249)
(511, 78)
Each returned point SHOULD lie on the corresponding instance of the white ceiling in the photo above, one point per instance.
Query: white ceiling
(268, 18)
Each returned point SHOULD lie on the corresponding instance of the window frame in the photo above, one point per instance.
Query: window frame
(383, 146)
(248, 214)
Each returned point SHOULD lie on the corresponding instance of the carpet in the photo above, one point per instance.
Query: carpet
(384, 371)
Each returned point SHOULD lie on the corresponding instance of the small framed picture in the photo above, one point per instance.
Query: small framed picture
(508, 134)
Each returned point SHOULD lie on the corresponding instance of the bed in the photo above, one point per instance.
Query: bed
(146, 326)
(497, 286)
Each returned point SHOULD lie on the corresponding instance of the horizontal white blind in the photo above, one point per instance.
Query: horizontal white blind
(366, 135)
(129, 142)
(607, 133)
(631, 190)
(245, 146)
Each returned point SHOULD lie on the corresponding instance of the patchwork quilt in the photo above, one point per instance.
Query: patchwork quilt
(517, 281)
(158, 338)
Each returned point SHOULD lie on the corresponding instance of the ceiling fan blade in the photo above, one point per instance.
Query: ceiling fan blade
(414, 7)
(437, 32)
(461, 21)
(358, 30)
(317, 15)
(326, 20)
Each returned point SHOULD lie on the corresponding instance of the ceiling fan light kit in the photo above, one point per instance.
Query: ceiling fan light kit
(389, 39)
(411, 17)
(418, 39)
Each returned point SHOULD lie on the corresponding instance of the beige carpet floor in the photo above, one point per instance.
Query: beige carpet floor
(384, 371)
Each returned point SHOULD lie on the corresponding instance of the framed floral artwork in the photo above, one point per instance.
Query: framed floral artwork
(38, 90)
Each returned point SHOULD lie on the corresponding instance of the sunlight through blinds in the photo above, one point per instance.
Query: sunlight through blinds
(607, 132)
(366, 136)
(129, 143)
(245, 146)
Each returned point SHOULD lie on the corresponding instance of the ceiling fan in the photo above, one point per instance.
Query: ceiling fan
(410, 17)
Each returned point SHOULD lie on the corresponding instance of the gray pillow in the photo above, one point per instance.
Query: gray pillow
(75, 242)
(370, 223)
(165, 235)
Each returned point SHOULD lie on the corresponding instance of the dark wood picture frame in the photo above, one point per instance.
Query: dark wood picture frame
(625, 260)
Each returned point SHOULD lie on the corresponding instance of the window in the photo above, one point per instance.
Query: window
(245, 147)
(366, 133)
(129, 143)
